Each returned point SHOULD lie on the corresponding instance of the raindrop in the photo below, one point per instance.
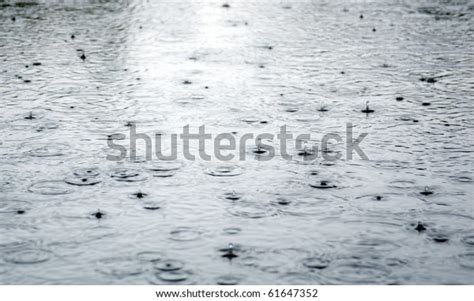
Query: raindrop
(358, 271)
(316, 263)
(229, 252)
(173, 276)
(185, 234)
(251, 210)
(127, 175)
(139, 195)
(427, 191)
(84, 177)
(250, 119)
(259, 149)
(430, 80)
(48, 150)
(27, 256)
(169, 265)
(322, 107)
(164, 174)
(163, 168)
(462, 178)
(119, 267)
(232, 231)
(14, 206)
(115, 137)
(98, 214)
(86, 172)
(82, 181)
(283, 201)
(149, 256)
(308, 206)
(151, 206)
(402, 184)
(30, 116)
(50, 188)
(367, 110)
(307, 151)
(440, 238)
(233, 196)
(228, 280)
(224, 171)
(420, 227)
(323, 184)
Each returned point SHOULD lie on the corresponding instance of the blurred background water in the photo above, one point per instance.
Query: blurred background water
(69, 216)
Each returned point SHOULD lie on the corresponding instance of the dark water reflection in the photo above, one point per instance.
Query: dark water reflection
(73, 75)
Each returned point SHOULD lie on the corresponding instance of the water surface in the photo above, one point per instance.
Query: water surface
(69, 216)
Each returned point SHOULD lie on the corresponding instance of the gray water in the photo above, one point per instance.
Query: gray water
(273, 61)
